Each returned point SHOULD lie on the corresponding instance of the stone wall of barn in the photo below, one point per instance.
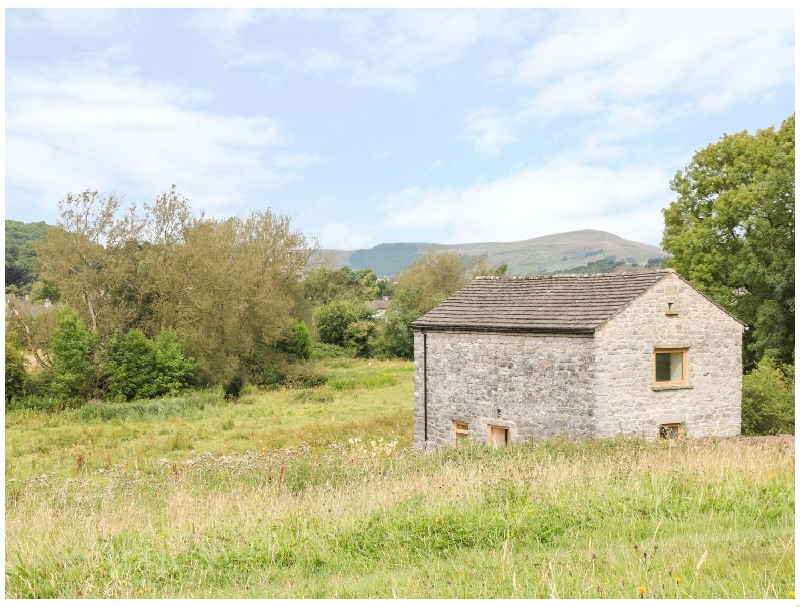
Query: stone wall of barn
(628, 401)
(538, 386)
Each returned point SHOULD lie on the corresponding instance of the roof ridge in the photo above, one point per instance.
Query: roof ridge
(546, 276)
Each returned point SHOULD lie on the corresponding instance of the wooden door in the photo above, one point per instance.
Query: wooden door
(498, 436)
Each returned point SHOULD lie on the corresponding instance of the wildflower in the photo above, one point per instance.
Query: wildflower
(791, 594)
(677, 580)
(642, 590)
(141, 591)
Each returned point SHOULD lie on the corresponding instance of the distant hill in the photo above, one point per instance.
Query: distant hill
(535, 256)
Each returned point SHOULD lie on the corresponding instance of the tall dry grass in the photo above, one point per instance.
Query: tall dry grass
(540, 520)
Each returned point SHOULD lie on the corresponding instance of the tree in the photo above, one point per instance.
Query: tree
(334, 319)
(768, 399)
(297, 341)
(242, 288)
(130, 365)
(428, 281)
(731, 234)
(324, 285)
(16, 375)
(72, 355)
(82, 256)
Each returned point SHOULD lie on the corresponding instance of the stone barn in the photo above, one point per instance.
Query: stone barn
(641, 354)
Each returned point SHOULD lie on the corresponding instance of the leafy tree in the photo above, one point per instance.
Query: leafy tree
(358, 337)
(17, 276)
(135, 367)
(81, 255)
(332, 321)
(397, 338)
(428, 281)
(45, 289)
(324, 285)
(130, 365)
(72, 348)
(244, 285)
(21, 239)
(437, 276)
(15, 372)
(297, 342)
(768, 399)
(173, 368)
(731, 234)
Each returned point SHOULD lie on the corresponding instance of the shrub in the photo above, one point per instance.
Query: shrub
(304, 376)
(233, 387)
(358, 337)
(333, 319)
(768, 399)
(131, 365)
(16, 375)
(72, 349)
(321, 351)
(136, 368)
(173, 369)
(297, 342)
(272, 377)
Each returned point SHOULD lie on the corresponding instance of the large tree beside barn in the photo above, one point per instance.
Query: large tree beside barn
(730, 232)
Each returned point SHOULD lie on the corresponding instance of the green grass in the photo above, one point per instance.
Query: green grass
(316, 493)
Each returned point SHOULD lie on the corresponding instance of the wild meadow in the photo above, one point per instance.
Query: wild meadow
(316, 492)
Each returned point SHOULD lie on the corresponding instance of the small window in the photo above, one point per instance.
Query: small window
(670, 366)
(462, 430)
(670, 431)
(498, 436)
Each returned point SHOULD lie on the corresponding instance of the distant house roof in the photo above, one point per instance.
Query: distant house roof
(379, 304)
(558, 303)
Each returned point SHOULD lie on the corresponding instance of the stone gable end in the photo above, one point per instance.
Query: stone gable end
(627, 403)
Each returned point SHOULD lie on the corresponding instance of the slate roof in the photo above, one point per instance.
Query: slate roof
(557, 303)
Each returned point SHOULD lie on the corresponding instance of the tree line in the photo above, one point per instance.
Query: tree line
(153, 299)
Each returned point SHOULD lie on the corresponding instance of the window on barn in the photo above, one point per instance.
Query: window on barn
(498, 436)
(671, 366)
(670, 431)
(462, 430)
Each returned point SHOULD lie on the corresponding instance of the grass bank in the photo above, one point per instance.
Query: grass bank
(315, 493)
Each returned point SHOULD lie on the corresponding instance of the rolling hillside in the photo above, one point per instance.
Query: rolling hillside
(536, 255)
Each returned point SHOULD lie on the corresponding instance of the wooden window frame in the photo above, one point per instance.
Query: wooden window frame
(682, 382)
(460, 433)
(664, 429)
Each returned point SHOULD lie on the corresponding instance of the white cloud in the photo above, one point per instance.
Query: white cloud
(68, 129)
(339, 235)
(623, 74)
(557, 197)
(593, 59)
(488, 130)
(98, 24)
(387, 49)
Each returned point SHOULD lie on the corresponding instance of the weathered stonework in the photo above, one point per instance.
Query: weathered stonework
(541, 385)
(627, 403)
(591, 385)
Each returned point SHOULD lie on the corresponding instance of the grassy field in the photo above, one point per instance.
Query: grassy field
(316, 493)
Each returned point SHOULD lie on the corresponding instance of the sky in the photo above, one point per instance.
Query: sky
(372, 126)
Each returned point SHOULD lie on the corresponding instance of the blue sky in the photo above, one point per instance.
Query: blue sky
(370, 126)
